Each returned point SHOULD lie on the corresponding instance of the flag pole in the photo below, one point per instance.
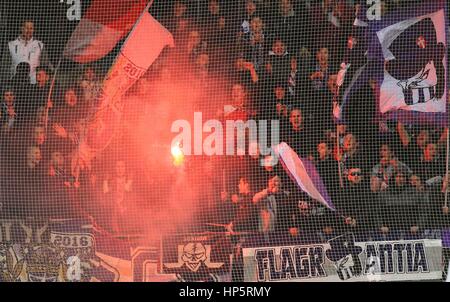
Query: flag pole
(224, 182)
(338, 142)
(50, 92)
(446, 178)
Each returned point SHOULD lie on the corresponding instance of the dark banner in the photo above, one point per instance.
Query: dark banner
(201, 257)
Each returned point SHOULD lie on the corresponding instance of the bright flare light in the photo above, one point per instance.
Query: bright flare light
(178, 155)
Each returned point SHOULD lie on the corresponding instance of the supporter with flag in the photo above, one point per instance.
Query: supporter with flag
(142, 47)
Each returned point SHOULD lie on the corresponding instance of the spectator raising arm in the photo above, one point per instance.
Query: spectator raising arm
(404, 136)
(260, 196)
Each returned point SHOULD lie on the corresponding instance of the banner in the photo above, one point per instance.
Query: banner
(197, 257)
(75, 251)
(60, 251)
(343, 260)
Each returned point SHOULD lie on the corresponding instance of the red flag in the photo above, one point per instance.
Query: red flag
(138, 53)
(105, 23)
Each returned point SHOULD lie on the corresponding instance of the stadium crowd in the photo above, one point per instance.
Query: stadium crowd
(281, 60)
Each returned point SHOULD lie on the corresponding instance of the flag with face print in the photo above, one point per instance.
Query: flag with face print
(407, 64)
(409, 59)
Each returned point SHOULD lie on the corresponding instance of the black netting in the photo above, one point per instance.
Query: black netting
(238, 140)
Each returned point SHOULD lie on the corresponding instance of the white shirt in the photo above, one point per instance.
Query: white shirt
(26, 51)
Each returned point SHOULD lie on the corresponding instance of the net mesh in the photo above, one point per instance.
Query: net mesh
(263, 146)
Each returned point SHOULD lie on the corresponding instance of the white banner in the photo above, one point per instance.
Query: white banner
(353, 262)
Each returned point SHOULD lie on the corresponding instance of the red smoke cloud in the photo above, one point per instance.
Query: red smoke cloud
(168, 196)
